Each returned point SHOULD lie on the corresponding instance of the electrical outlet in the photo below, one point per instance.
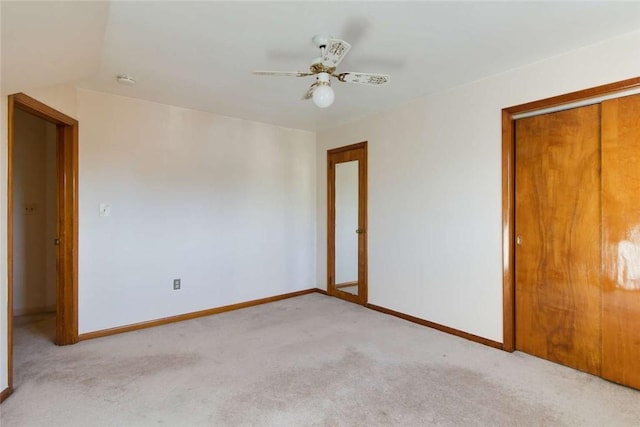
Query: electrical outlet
(176, 284)
(30, 208)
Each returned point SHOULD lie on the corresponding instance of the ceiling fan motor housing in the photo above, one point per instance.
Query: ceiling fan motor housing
(321, 40)
(323, 78)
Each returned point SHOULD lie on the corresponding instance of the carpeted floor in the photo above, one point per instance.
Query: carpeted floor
(306, 361)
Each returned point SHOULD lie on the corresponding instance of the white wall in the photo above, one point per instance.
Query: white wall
(224, 204)
(435, 249)
(34, 214)
(63, 98)
(227, 206)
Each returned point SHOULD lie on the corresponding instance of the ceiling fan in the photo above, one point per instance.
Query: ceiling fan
(332, 52)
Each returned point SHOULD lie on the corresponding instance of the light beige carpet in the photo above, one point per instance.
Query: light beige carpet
(306, 361)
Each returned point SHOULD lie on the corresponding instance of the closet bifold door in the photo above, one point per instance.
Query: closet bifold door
(621, 240)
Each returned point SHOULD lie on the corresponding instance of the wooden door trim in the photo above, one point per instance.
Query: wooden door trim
(355, 146)
(67, 196)
(508, 189)
(362, 296)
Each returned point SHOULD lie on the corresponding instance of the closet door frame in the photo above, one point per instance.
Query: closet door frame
(508, 187)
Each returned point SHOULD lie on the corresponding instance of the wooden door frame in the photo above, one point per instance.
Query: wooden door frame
(508, 189)
(362, 296)
(66, 221)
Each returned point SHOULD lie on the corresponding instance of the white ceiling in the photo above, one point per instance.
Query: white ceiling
(50, 44)
(200, 54)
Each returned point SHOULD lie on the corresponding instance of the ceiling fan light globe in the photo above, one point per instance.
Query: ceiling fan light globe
(323, 96)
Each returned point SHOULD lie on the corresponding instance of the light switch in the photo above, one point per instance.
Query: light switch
(105, 209)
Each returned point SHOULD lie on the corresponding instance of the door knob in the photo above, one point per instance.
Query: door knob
(56, 242)
(360, 231)
(518, 240)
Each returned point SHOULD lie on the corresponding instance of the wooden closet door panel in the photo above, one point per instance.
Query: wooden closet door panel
(621, 240)
(557, 225)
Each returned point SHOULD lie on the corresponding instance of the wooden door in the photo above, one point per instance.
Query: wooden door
(347, 222)
(557, 226)
(621, 240)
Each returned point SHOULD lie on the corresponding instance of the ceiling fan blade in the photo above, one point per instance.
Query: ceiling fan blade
(284, 73)
(370, 79)
(309, 92)
(334, 52)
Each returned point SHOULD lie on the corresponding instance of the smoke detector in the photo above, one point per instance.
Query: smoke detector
(125, 80)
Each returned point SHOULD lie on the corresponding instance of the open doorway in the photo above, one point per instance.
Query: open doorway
(42, 225)
(34, 215)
